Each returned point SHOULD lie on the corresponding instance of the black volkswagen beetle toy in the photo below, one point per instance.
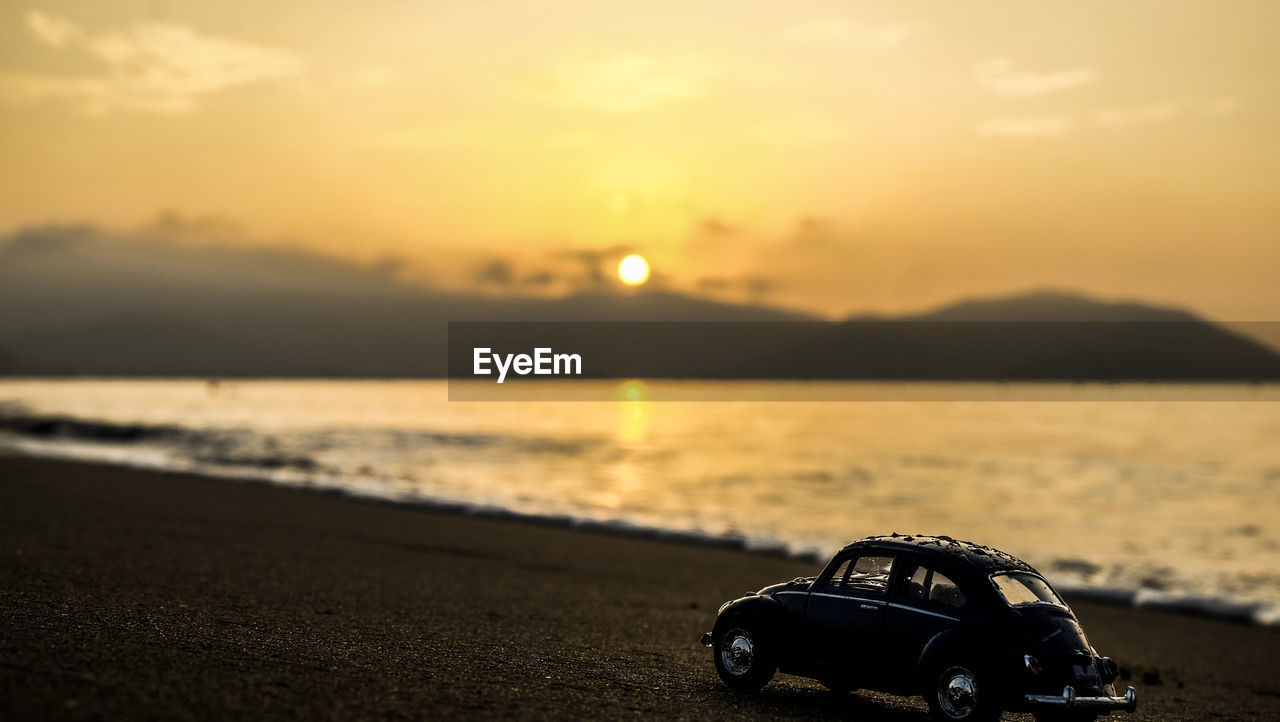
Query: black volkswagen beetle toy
(975, 630)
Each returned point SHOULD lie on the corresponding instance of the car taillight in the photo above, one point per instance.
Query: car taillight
(1033, 665)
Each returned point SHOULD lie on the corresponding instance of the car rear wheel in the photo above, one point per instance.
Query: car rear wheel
(743, 659)
(962, 693)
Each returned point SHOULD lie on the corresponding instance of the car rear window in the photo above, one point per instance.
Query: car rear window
(1022, 588)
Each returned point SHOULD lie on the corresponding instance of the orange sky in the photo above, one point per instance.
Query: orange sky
(827, 156)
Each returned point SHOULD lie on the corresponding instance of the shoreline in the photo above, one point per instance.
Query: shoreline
(138, 594)
(1222, 609)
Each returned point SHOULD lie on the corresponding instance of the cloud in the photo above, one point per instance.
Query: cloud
(752, 288)
(1000, 76)
(596, 265)
(495, 272)
(540, 278)
(499, 274)
(146, 67)
(557, 271)
(1028, 126)
(713, 226)
(799, 131)
(369, 77)
(173, 225)
(1222, 107)
(205, 257)
(51, 30)
(628, 83)
(444, 134)
(1119, 118)
(864, 36)
(812, 228)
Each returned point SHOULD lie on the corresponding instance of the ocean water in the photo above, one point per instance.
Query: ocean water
(1155, 503)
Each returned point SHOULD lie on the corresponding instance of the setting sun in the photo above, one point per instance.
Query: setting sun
(633, 270)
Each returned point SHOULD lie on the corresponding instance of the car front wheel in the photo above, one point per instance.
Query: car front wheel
(743, 659)
(962, 693)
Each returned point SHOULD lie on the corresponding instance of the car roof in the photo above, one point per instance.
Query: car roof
(977, 556)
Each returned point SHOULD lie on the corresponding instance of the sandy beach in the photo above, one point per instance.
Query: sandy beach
(133, 595)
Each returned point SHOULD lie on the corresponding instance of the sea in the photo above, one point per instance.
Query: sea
(1166, 504)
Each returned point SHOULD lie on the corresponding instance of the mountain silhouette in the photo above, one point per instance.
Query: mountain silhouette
(75, 303)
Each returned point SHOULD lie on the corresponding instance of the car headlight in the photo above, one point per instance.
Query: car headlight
(1107, 669)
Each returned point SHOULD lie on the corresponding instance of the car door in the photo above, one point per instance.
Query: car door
(923, 602)
(845, 613)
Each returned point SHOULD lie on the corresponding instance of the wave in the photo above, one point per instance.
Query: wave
(247, 448)
(13, 419)
(1195, 605)
(247, 456)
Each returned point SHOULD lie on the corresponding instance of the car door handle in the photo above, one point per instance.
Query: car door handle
(868, 607)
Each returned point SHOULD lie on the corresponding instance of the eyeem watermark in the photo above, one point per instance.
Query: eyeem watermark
(542, 363)
(864, 360)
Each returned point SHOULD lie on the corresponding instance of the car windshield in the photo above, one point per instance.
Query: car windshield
(1019, 588)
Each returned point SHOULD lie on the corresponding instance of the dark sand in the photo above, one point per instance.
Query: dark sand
(141, 595)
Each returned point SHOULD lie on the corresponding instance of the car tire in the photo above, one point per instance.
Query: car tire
(743, 658)
(962, 692)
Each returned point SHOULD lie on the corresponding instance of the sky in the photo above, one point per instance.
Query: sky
(830, 157)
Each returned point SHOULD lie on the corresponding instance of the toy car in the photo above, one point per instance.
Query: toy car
(975, 630)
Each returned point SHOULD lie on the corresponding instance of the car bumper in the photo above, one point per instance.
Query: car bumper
(1070, 700)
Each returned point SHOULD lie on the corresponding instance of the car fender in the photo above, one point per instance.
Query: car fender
(963, 642)
(765, 615)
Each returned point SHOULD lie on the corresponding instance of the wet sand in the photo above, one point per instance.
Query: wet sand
(132, 594)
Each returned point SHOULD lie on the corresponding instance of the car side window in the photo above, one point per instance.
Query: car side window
(869, 574)
(842, 571)
(915, 582)
(944, 591)
(919, 583)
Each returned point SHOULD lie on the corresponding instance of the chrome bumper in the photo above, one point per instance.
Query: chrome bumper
(1068, 698)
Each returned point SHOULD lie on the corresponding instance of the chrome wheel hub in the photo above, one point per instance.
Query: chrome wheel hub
(958, 693)
(737, 652)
